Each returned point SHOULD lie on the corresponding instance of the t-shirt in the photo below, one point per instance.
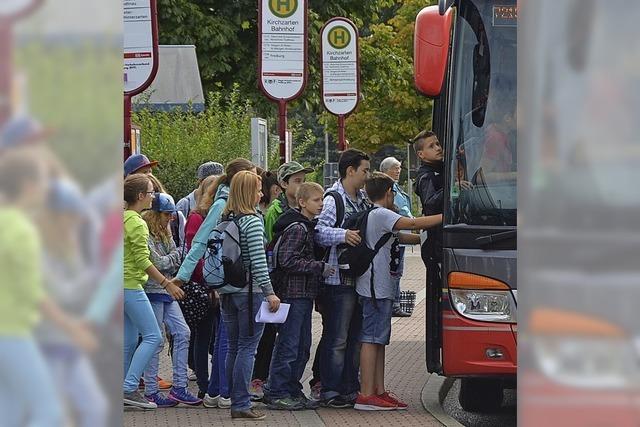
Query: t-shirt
(20, 263)
(381, 221)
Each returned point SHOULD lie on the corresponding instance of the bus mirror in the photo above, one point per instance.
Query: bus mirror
(431, 42)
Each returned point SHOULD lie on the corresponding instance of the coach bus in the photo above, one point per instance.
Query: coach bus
(465, 59)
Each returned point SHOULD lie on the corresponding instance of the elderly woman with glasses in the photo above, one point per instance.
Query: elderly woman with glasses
(392, 167)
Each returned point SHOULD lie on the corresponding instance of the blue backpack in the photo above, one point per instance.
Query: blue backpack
(223, 266)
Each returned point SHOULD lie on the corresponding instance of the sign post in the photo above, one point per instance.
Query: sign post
(140, 55)
(10, 12)
(340, 71)
(282, 55)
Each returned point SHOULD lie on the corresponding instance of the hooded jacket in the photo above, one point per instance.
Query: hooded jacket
(297, 273)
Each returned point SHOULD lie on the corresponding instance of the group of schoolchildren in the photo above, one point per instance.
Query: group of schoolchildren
(298, 245)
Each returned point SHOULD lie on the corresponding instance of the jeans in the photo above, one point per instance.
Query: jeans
(340, 360)
(170, 314)
(26, 375)
(218, 382)
(242, 345)
(139, 319)
(202, 336)
(78, 384)
(291, 351)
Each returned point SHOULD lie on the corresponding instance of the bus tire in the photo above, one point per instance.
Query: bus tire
(481, 394)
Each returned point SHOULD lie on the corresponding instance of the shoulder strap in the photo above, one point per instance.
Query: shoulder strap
(340, 208)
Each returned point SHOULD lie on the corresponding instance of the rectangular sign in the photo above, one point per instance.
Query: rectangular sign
(138, 44)
(283, 51)
(340, 71)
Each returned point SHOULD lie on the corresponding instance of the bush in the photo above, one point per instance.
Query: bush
(181, 141)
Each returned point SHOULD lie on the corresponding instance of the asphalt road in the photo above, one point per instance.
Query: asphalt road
(505, 417)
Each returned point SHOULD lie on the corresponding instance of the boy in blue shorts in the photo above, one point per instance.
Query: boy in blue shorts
(377, 306)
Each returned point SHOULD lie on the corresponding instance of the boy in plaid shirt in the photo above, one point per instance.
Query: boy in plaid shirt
(296, 279)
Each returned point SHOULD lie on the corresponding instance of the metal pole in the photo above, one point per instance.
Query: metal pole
(409, 185)
(6, 71)
(341, 137)
(326, 145)
(282, 127)
(127, 126)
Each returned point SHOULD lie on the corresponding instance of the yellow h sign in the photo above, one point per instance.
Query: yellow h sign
(339, 37)
(283, 8)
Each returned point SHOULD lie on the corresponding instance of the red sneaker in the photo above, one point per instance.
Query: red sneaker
(373, 403)
(392, 398)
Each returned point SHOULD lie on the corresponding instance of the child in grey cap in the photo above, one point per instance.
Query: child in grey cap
(205, 170)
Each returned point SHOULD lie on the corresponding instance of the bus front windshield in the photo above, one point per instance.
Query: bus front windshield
(483, 170)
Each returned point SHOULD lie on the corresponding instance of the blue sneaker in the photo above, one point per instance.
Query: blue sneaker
(160, 400)
(182, 395)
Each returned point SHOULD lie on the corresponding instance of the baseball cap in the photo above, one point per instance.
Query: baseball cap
(291, 168)
(22, 130)
(163, 203)
(209, 168)
(65, 197)
(136, 162)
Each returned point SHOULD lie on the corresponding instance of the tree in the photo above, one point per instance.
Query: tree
(225, 35)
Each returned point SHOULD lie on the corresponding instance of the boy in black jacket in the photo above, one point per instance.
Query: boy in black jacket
(296, 280)
(428, 186)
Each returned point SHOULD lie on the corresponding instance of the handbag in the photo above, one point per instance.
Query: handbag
(195, 304)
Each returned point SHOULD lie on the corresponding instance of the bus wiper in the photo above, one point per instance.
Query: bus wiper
(496, 237)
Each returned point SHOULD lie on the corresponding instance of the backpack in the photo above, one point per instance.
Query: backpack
(223, 266)
(357, 259)
(321, 253)
(340, 209)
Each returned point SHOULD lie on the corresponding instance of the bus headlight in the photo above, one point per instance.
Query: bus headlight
(485, 306)
(584, 362)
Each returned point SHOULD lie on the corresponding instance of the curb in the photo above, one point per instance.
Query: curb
(433, 394)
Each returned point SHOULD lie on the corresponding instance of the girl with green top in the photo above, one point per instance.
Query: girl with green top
(139, 318)
(22, 367)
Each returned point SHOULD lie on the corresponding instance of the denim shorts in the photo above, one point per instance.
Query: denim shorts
(376, 322)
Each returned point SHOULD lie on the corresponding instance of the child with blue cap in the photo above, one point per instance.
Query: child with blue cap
(166, 257)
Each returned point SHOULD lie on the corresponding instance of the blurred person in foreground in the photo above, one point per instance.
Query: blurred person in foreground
(70, 282)
(22, 191)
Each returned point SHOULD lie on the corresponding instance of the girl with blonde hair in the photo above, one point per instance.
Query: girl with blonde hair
(239, 308)
(166, 257)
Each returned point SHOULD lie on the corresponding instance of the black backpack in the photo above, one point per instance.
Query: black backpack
(354, 261)
(340, 209)
(322, 253)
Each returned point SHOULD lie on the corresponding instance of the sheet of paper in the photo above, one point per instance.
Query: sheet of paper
(423, 237)
(265, 316)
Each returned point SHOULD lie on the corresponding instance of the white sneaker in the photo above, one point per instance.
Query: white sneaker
(224, 403)
(210, 402)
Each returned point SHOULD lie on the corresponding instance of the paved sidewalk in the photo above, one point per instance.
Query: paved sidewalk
(405, 375)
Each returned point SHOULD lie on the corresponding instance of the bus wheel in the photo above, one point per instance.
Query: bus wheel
(480, 394)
